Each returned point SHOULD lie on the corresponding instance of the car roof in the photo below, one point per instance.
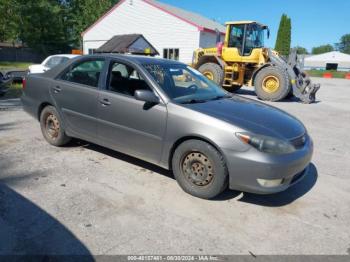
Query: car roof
(138, 59)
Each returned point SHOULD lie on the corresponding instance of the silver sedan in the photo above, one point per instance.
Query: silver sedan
(169, 114)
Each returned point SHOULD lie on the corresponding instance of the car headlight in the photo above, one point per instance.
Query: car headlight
(266, 144)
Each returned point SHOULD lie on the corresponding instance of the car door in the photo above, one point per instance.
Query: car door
(76, 95)
(126, 124)
(234, 48)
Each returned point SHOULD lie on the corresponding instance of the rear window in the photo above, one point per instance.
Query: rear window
(55, 61)
(85, 73)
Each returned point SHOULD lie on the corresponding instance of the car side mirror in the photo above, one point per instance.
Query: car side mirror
(146, 96)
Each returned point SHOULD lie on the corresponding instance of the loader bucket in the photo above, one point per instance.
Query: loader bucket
(302, 86)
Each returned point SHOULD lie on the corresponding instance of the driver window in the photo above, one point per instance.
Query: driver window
(124, 79)
(236, 36)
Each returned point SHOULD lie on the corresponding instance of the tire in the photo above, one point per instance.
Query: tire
(215, 70)
(233, 88)
(290, 94)
(55, 135)
(276, 73)
(208, 162)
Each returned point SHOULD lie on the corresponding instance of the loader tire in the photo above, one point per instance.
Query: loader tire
(233, 88)
(213, 72)
(272, 84)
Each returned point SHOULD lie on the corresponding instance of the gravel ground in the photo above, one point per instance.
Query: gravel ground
(84, 199)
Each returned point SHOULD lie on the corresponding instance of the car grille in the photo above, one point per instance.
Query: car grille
(299, 142)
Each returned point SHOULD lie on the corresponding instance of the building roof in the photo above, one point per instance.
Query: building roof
(203, 23)
(132, 43)
(330, 56)
(194, 18)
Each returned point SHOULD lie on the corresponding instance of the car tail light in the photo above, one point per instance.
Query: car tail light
(24, 83)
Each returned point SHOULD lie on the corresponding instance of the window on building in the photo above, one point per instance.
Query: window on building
(331, 66)
(85, 73)
(171, 53)
(92, 51)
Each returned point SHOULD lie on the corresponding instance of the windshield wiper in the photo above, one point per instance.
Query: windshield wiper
(220, 97)
(193, 101)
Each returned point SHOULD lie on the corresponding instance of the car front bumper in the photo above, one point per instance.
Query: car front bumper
(248, 169)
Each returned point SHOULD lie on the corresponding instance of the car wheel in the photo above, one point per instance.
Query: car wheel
(51, 127)
(200, 169)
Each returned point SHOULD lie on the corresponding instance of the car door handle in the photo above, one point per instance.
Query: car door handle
(57, 89)
(105, 102)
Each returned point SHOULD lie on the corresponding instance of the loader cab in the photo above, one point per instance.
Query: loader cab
(244, 40)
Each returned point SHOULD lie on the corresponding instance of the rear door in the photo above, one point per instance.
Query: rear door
(126, 124)
(76, 95)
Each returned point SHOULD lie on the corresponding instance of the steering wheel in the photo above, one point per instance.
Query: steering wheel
(193, 88)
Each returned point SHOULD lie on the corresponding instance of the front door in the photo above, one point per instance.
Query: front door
(126, 124)
(233, 50)
(76, 97)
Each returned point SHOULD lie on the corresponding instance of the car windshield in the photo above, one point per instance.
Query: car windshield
(55, 60)
(184, 84)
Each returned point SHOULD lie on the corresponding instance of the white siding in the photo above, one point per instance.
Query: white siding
(161, 29)
(321, 61)
(208, 39)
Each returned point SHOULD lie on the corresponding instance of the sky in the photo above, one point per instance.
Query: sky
(314, 22)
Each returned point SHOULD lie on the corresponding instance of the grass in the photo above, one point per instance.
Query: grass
(10, 65)
(14, 91)
(319, 73)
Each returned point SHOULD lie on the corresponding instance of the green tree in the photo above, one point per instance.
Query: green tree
(301, 50)
(344, 45)
(84, 13)
(322, 49)
(284, 36)
(8, 21)
(49, 26)
(42, 25)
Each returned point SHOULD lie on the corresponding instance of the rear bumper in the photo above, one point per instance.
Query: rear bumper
(248, 168)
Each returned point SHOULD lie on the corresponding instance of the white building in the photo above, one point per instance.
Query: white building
(174, 32)
(328, 61)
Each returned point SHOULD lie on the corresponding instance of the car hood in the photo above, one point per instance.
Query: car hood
(252, 116)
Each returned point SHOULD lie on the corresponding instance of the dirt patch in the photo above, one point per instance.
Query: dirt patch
(8, 141)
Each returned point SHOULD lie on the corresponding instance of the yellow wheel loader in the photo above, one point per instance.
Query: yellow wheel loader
(243, 60)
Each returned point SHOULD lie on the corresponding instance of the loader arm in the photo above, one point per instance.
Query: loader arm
(301, 83)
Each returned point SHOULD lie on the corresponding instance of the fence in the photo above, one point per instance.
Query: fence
(23, 54)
